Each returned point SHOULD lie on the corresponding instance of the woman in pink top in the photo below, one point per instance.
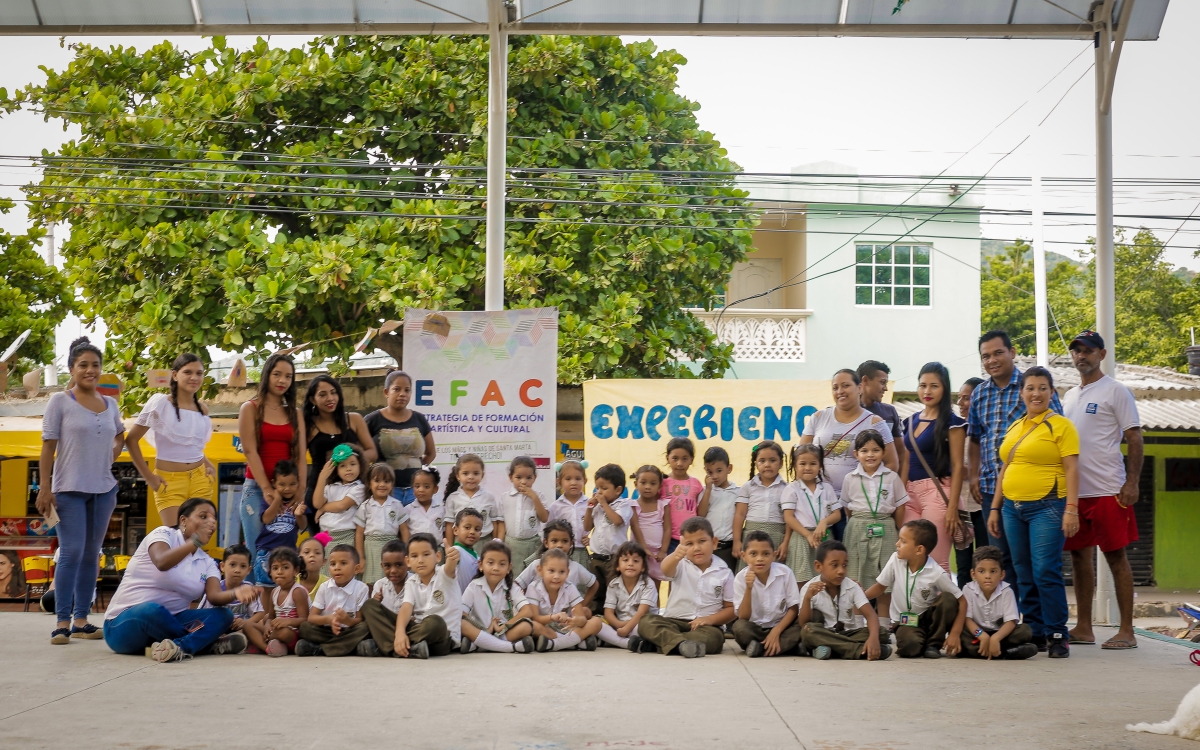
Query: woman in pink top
(682, 490)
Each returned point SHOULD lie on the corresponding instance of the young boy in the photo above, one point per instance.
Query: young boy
(335, 624)
(701, 599)
(717, 502)
(992, 630)
(379, 612)
(429, 622)
(283, 520)
(767, 599)
(607, 524)
(468, 525)
(248, 619)
(836, 619)
(927, 605)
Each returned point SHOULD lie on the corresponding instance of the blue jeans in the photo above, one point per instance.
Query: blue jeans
(1010, 572)
(250, 510)
(83, 522)
(150, 622)
(404, 495)
(261, 572)
(1034, 532)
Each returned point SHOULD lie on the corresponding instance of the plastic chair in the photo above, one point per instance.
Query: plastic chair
(37, 574)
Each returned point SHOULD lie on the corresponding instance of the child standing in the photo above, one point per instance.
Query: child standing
(429, 622)
(719, 501)
(927, 606)
(631, 596)
(465, 531)
(571, 506)
(493, 619)
(377, 521)
(312, 554)
(560, 621)
(608, 522)
(760, 501)
(425, 513)
(558, 535)
(335, 626)
(463, 491)
(701, 599)
(248, 618)
(810, 509)
(651, 516)
(337, 502)
(524, 512)
(836, 620)
(993, 630)
(287, 601)
(874, 499)
(766, 598)
(379, 612)
(283, 520)
(681, 489)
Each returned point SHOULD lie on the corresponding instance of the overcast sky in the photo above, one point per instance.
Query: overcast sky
(885, 107)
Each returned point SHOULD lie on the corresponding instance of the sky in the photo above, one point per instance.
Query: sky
(882, 106)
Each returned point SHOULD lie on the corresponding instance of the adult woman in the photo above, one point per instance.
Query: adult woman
(329, 426)
(835, 428)
(167, 573)
(967, 501)
(936, 441)
(1038, 488)
(82, 434)
(271, 427)
(402, 435)
(181, 428)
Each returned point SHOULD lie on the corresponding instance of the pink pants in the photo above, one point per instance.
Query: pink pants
(924, 501)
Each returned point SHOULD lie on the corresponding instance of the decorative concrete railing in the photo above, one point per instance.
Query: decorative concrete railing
(759, 335)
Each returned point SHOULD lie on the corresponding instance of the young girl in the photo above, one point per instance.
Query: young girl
(810, 509)
(463, 491)
(425, 513)
(524, 512)
(560, 619)
(312, 554)
(874, 497)
(631, 595)
(495, 615)
(651, 515)
(337, 502)
(287, 604)
(465, 531)
(759, 501)
(559, 535)
(377, 521)
(571, 506)
(681, 489)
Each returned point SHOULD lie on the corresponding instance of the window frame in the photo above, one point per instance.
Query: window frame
(892, 284)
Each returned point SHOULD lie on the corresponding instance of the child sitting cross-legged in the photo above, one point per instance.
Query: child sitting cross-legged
(247, 617)
(701, 598)
(335, 623)
(429, 622)
(927, 608)
(496, 615)
(560, 620)
(993, 630)
(766, 598)
(287, 601)
(379, 612)
(632, 594)
(559, 534)
(836, 619)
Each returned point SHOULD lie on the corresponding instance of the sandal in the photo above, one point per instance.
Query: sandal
(1081, 642)
(1115, 644)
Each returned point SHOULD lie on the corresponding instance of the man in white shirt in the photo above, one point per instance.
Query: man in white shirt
(1103, 412)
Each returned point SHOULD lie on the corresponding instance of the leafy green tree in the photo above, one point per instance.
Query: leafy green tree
(33, 296)
(276, 197)
(1006, 297)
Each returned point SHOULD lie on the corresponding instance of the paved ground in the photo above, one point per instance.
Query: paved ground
(84, 696)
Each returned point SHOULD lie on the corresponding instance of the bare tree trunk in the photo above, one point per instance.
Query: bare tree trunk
(392, 344)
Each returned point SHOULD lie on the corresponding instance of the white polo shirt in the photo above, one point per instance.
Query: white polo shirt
(520, 517)
(721, 505)
(994, 612)
(810, 507)
(381, 519)
(625, 603)
(700, 593)
(925, 584)
(830, 610)
(608, 537)
(482, 501)
(577, 575)
(769, 601)
(764, 504)
(422, 521)
(342, 520)
(568, 597)
(349, 599)
(483, 603)
(1101, 412)
(392, 599)
(571, 513)
(884, 491)
(441, 597)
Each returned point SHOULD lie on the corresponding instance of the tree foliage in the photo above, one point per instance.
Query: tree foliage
(274, 197)
(33, 296)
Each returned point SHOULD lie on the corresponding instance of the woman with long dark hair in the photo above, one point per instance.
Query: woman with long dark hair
(935, 438)
(181, 428)
(271, 428)
(330, 425)
(403, 436)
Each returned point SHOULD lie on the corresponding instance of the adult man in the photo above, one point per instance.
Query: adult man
(1103, 411)
(995, 404)
(874, 376)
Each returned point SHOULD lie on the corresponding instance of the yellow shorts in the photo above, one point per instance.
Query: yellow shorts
(181, 485)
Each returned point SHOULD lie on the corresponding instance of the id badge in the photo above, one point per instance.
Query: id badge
(874, 530)
(910, 619)
(828, 536)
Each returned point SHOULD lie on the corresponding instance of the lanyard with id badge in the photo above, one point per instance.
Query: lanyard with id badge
(816, 512)
(908, 618)
(875, 529)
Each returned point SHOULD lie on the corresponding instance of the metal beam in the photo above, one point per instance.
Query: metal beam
(497, 156)
(1110, 77)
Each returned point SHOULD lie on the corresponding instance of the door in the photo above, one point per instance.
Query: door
(755, 277)
(1141, 552)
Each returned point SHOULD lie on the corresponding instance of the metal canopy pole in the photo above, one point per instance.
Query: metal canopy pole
(1041, 325)
(497, 142)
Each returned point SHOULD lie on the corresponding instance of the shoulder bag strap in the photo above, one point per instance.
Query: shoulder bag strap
(912, 426)
(1020, 440)
(837, 438)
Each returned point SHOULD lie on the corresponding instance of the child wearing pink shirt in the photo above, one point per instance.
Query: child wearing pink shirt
(682, 490)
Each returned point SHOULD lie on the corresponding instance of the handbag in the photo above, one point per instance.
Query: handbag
(964, 533)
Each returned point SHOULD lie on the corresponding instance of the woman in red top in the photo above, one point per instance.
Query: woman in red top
(271, 428)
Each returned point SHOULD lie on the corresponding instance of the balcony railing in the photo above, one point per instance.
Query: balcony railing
(759, 335)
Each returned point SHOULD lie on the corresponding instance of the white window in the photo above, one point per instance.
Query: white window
(892, 275)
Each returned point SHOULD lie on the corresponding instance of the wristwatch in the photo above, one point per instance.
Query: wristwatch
(978, 632)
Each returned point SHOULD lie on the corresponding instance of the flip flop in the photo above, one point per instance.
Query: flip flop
(1113, 644)
(1080, 642)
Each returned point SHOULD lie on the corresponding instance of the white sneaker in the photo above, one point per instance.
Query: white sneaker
(168, 650)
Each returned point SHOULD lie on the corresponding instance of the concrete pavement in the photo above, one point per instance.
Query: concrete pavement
(84, 696)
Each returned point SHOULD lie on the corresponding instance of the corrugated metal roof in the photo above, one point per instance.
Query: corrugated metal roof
(1136, 377)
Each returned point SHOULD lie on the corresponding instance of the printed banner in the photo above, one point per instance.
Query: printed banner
(487, 383)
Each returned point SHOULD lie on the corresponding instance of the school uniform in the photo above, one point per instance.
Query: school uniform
(380, 523)
(764, 509)
(566, 600)
(380, 614)
(607, 537)
(340, 525)
(481, 604)
(578, 575)
(329, 598)
(990, 615)
(482, 501)
(392, 599)
(422, 521)
(769, 602)
(625, 604)
(930, 594)
(835, 620)
(572, 513)
(722, 503)
(468, 565)
(694, 593)
(809, 509)
(522, 528)
(871, 533)
(436, 614)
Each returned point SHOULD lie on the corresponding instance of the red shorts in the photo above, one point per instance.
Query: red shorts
(1103, 523)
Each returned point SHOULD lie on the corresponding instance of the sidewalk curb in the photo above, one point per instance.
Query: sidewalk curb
(1166, 638)
(1141, 609)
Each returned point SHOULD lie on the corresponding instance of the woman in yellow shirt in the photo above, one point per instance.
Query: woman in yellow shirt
(1038, 488)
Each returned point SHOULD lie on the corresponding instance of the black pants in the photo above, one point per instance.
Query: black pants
(963, 556)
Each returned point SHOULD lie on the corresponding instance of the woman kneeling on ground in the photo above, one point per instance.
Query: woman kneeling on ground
(167, 573)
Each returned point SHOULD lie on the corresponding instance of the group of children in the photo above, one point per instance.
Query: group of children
(516, 574)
